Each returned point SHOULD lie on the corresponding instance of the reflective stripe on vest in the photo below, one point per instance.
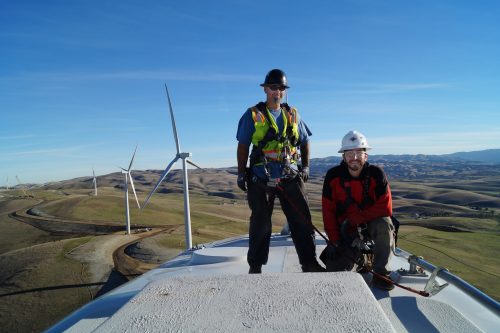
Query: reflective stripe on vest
(273, 148)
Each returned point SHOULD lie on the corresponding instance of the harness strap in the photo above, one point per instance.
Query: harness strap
(309, 222)
(257, 155)
(346, 185)
(367, 200)
(292, 119)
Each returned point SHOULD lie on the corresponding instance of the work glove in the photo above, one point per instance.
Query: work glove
(331, 250)
(329, 253)
(304, 174)
(242, 181)
(348, 231)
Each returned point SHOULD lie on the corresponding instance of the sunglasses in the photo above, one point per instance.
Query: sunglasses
(274, 88)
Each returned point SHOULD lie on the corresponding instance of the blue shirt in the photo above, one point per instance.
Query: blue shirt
(246, 128)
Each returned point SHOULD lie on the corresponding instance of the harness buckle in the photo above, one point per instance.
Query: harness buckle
(273, 182)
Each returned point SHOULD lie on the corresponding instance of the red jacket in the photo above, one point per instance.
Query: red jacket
(362, 208)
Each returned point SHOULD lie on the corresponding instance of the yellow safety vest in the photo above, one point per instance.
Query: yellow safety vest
(274, 150)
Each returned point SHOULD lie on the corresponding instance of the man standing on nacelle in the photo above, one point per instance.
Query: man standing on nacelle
(276, 133)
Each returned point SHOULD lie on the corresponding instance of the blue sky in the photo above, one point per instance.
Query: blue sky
(81, 82)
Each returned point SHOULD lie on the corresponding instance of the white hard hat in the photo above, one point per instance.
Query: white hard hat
(354, 140)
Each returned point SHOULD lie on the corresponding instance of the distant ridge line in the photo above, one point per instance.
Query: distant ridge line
(406, 166)
(484, 156)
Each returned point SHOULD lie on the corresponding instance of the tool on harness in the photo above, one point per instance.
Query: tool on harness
(337, 249)
(286, 158)
(359, 239)
(356, 248)
(366, 201)
(270, 187)
(357, 259)
(287, 138)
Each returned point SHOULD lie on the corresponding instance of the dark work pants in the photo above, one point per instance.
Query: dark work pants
(380, 231)
(296, 208)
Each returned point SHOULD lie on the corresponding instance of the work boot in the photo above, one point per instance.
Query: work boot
(380, 283)
(255, 269)
(313, 267)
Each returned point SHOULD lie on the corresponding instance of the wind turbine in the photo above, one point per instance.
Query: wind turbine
(94, 182)
(184, 157)
(22, 187)
(128, 176)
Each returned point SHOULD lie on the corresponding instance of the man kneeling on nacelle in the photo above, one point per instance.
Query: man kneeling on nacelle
(357, 201)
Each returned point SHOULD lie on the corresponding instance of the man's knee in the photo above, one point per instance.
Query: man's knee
(381, 232)
(384, 221)
(380, 226)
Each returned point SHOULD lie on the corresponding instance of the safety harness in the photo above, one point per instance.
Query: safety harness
(287, 140)
(346, 185)
(366, 201)
(366, 267)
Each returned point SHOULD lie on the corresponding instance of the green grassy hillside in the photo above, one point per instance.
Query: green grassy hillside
(422, 208)
(473, 256)
(431, 212)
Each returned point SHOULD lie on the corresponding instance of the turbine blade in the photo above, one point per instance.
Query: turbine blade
(133, 189)
(93, 172)
(167, 170)
(188, 161)
(132, 160)
(174, 128)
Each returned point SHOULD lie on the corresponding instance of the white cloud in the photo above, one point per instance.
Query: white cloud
(67, 151)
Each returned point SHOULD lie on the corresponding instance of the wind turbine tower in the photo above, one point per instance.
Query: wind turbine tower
(22, 187)
(185, 159)
(128, 177)
(94, 182)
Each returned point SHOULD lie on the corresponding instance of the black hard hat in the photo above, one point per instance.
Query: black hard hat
(275, 77)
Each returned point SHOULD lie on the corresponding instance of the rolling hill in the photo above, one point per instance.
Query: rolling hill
(432, 185)
(411, 167)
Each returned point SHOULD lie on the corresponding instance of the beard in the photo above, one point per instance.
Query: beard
(355, 165)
